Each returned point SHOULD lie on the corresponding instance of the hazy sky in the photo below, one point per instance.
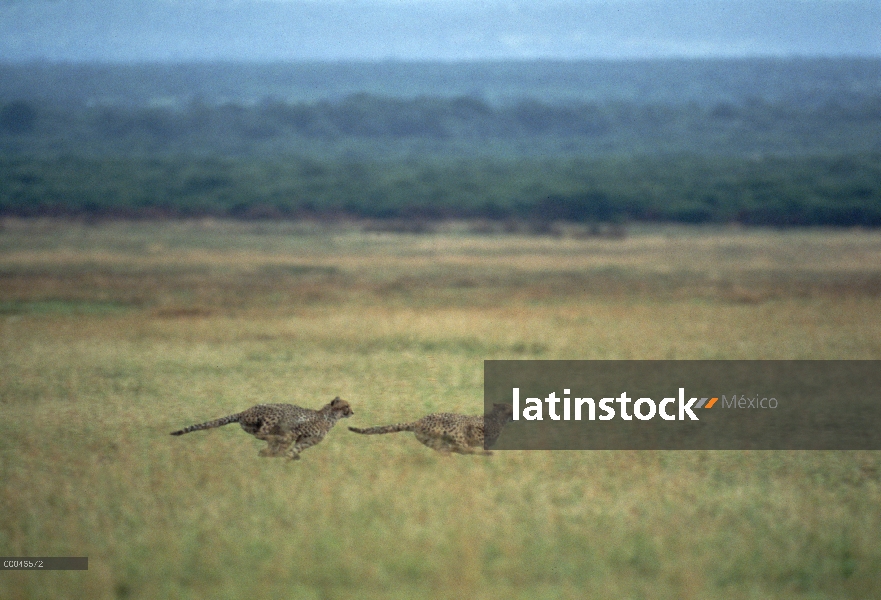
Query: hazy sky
(151, 30)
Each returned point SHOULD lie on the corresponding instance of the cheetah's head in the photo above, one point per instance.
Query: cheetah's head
(506, 411)
(340, 408)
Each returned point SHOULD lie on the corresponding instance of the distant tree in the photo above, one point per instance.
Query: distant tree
(18, 117)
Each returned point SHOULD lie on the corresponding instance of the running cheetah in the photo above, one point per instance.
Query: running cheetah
(287, 429)
(451, 432)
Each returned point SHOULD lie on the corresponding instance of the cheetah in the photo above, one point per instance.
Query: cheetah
(451, 432)
(287, 429)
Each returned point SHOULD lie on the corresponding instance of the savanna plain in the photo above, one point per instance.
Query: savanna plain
(114, 334)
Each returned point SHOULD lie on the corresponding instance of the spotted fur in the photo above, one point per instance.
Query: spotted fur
(287, 429)
(451, 432)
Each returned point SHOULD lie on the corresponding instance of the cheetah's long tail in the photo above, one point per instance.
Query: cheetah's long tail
(209, 424)
(385, 428)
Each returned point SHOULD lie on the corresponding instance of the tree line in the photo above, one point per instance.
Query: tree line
(438, 125)
(842, 190)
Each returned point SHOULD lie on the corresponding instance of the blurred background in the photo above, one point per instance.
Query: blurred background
(446, 30)
(422, 110)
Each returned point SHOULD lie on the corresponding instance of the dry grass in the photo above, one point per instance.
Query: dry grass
(112, 336)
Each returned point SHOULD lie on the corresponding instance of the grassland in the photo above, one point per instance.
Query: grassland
(113, 335)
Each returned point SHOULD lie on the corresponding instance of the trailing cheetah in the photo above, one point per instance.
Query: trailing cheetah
(287, 429)
(451, 432)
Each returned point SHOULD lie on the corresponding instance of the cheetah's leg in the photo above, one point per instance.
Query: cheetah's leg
(302, 444)
(275, 445)
(436, 443)
(474, 440)
(459, 449)
(451, 443)
(480, 451)
(467, 448)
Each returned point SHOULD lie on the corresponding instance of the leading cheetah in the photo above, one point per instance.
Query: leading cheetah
(287, 429)
(451, 432)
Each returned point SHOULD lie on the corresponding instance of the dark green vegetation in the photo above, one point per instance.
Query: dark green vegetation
(757, 142)
(842, 190)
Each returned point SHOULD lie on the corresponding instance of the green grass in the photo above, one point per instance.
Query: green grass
(59, 307)
(219, 316)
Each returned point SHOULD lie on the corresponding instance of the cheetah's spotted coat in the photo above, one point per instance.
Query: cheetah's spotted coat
(287, 429)
(451, 432)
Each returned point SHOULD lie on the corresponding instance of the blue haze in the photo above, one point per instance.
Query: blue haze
(445, 30)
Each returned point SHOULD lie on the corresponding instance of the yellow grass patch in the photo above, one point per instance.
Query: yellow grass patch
(112, 336)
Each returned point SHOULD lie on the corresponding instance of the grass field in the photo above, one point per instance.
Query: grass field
(113, 335)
